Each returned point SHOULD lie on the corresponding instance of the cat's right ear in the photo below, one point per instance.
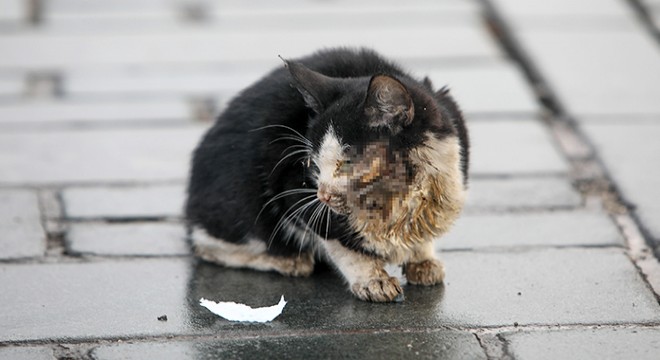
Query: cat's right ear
(317, 89)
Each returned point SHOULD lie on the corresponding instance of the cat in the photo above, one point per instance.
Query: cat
(340, 156)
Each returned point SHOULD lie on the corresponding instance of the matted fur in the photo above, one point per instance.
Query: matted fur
(340, 153)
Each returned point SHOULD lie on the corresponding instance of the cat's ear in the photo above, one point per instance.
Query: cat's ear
(388, 103)
(317, 89)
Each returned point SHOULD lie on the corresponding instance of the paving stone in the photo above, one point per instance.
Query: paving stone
(44, 112)
(90, 300)
(26, 353)
(108, 155)
(132, 239)
(11, 86)
(480, 88)
(21, 234)
(154, 201)
(632, 343)
(557, 228)
(574, 63)
(562, 8)
(124, 298)
(436, 344)
(25, 51)
(491, 88)
(265, 17)
(510, 193)
(631, 153)
(513, 147)
(568, 286)
(12, 10)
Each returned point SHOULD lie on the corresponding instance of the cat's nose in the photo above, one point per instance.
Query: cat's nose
(324, 195)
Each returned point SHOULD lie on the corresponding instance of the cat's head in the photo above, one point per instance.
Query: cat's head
(383, 152)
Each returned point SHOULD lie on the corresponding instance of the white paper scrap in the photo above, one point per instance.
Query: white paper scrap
(240, 312)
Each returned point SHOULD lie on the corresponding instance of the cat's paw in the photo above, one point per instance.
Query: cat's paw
(385, 289)
(299, 266)
(427, 272)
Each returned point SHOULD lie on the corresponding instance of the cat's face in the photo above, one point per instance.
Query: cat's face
(378, 145)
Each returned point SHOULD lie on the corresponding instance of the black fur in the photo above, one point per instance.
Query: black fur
(233, 171)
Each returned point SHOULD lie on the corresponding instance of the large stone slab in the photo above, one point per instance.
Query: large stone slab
(596, 344)
(26, 353)
(631, 153)
(124, 298)
(557, 228)
(437, 344)
(491, 88)
(125, 202)
(89, 300)
(574, 62)
(108, 155)
(21, 234)
(480, 88)
(521, 193)
(130, 239)
(195, 45)
(260, 16)
(513, 147)
(94, 112)
(568, 286)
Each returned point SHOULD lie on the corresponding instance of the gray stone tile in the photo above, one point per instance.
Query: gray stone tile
(90, 300)
(132, 239)
(513, 147)
(510, 193)
(557, 228)
(264, 17)
(631, 153)
(486, 88)
(195, 45)
(574, 63)
(108, 155)
(11, 86)
(562, 8)
(153, 201)
(46, 112)
(436, 344)
(12, 10)
(568, 286)
(21, 234)
(26, 353)
(631, 343)
(479, 88)
(124, 298)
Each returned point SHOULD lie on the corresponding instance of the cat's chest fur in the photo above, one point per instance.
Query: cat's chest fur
(342, 154)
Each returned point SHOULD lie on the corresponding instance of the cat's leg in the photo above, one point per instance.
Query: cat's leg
(366, 275)
(252, 255)
(423, 268)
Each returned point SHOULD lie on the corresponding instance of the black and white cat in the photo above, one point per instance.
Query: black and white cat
(341, 156)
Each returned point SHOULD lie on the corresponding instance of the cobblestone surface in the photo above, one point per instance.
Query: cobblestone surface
(101, 104)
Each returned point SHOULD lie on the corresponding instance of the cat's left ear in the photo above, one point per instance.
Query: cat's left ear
(317, 89)
(388, 103)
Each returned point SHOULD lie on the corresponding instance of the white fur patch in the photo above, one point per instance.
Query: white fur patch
(330, 153)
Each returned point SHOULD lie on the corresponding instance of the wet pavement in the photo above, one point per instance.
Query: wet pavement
(554, 257)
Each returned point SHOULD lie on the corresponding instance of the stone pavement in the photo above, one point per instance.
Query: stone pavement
(101, 103)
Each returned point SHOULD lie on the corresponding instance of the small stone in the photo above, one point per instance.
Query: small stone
(519, 293)
(162, 318)
(515, 324)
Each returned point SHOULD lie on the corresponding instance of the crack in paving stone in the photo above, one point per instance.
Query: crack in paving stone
(592, 178)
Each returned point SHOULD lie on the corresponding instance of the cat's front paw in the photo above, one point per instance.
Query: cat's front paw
(427, 272)
(385, 289)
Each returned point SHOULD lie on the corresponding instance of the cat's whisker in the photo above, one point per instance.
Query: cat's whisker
(302, 141)
(284, 194)
(288, 215)
(281, 126)
(286, 157)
